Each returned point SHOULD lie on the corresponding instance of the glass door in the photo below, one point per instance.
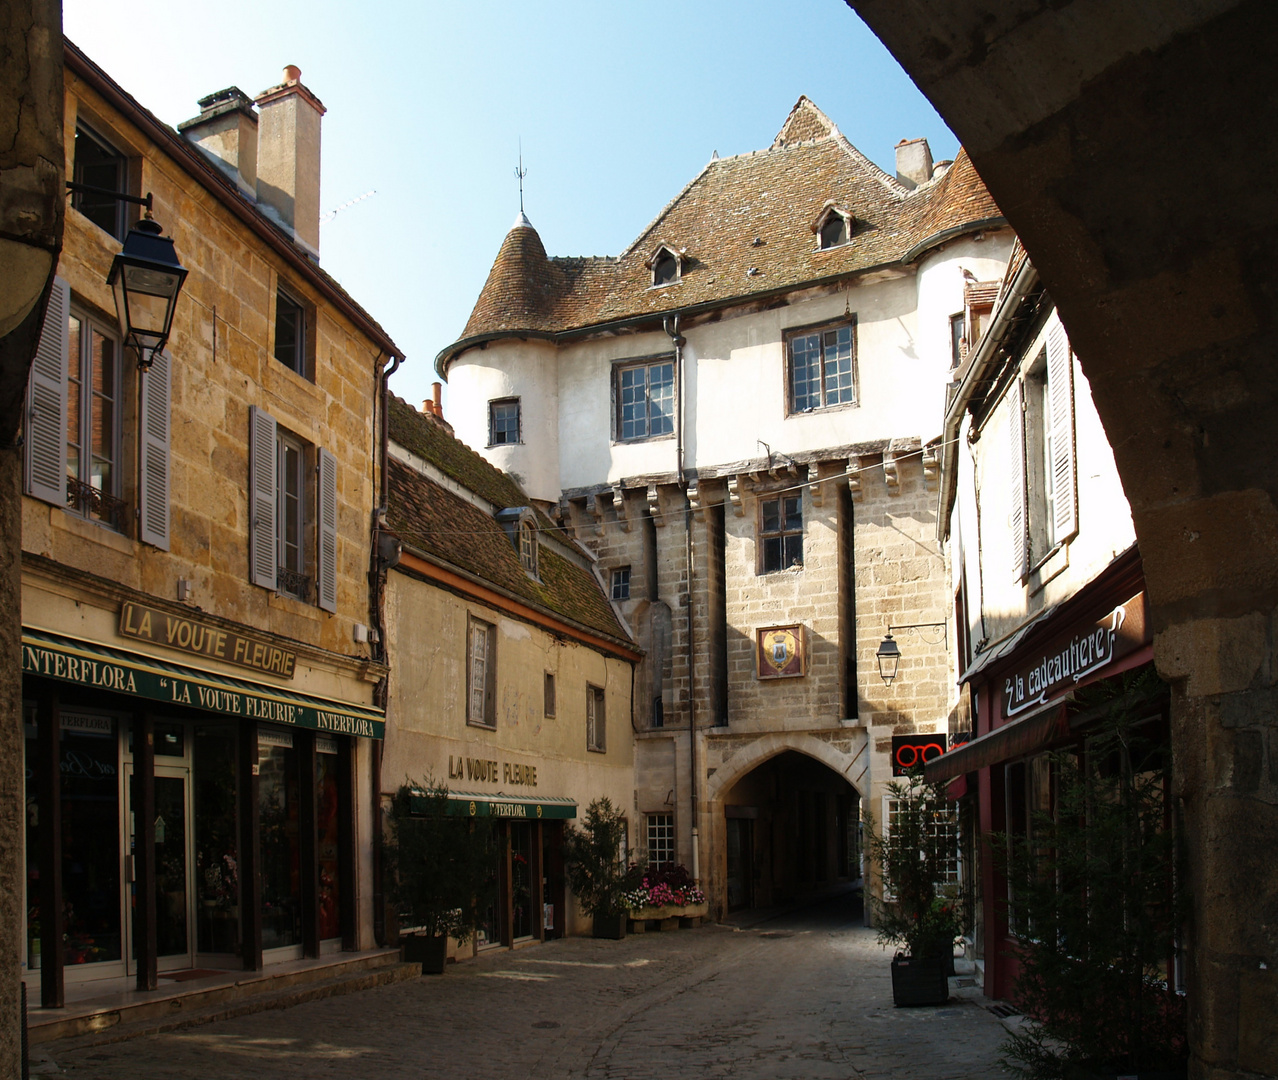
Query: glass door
(173, 884)
(521, 881)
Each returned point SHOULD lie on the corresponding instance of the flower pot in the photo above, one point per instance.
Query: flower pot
(428, 950)
(610, 926)
(919, 980)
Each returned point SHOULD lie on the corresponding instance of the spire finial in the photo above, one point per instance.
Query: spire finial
(520, 173)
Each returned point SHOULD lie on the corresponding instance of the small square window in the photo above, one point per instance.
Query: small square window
(290, 333)
(596, 728)
(781, 532)
(503, 422)
(621, 583)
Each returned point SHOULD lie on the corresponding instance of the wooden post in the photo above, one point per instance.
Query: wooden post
(250, 852)
(307, 840)
(505, 900)
(536, 871)
(142, 801)
(347, 867)
(49, 802)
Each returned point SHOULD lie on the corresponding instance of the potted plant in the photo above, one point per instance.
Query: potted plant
(439, 871)
(921, 906)
(1096, 909)
(596, 868)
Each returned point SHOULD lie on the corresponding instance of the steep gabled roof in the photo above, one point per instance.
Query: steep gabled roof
(453, 532)
(743, 228)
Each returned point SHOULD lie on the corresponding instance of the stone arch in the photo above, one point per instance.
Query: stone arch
(1114, 138)
(853, 767)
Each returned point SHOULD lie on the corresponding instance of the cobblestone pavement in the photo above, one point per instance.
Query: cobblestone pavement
(806, 996)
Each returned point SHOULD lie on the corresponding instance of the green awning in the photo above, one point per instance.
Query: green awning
(485, 804)
(83, 663)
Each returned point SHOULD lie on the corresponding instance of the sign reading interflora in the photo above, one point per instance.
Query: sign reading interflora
(56, 658)
(1067, 661)
(193, 636)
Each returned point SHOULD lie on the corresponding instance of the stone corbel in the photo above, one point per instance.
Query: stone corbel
(619, 508)
(654, 507)
(595, 511)
(891, 473)
(854, 479)
(824, 472)
(931, 468)
(735, 485)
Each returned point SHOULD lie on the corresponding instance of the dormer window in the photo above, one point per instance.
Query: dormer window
(833, 227)
(520, 525)
(666, 265)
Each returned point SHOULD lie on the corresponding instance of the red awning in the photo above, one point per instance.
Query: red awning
(1019, 738)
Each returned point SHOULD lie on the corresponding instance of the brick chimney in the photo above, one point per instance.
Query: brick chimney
(913, 162)
(226, 130)
(288, 161)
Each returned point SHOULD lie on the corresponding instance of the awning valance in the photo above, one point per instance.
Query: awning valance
(485, 804)
(1019, 738)
(89, 664)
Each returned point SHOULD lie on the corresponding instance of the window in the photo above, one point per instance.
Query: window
(957, 350)
(290, 458)
(621, 583)
(503, 422)
(661, 841)
(596, 729)
(665, 267)
(528, 546)
(822, 368)
(99, 165)
(941, 829)
(549, 694)
(290, 332)
(1042, 456)
(834, 231)
(93, 418)
(481, 675)
(73, 425)
(283, 551)
(645, 400)
(781, 532)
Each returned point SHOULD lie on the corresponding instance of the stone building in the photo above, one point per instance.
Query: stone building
(512, 672)
(738, 415)
(199, 700)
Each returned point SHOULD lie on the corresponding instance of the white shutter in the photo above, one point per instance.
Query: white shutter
(478, 671)
(1060, 396)
(327, 503)
(153, 486)
(1016, 487)
(46, 427)
(263, 557)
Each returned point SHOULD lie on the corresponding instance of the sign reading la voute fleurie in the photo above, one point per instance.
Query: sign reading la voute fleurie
(204, 639)
(1068, 660)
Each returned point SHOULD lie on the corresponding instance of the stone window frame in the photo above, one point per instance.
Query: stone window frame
(123, 213)
(781, 532)
(299, 358)
(619, 585)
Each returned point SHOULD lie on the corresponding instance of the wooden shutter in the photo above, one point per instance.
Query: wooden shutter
(1060, 398)
(326, 562)
(1017, 517)
(153, 479)
(263, 557)
(478, 675)
(46, 428)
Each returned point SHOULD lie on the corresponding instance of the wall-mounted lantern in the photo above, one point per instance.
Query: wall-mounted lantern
(889, 653)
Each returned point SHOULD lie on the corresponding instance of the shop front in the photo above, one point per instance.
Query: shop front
(179, 819)
(1043, 692)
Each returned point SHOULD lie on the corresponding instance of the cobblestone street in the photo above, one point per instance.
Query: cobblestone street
(806, 996)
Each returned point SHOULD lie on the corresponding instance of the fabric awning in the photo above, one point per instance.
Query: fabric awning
(486, 804)
(89, 664)
(1023, 736)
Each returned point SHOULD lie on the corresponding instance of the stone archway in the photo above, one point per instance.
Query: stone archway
(851, 761)
(1118, 139)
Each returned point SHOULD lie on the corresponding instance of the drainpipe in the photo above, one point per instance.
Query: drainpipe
(378, 576)
(679, 341)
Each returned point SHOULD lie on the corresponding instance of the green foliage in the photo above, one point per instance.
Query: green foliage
(1096, 909)
(439, 869)
(596, 870)
(925, 913)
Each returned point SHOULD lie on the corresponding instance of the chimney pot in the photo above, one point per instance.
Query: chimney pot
(292, 74)
(437, 389)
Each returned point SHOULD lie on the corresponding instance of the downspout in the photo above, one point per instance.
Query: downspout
(672, 330)
(378, 576)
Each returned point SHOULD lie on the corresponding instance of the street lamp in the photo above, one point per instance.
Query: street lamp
(146, 278)
(889, 653)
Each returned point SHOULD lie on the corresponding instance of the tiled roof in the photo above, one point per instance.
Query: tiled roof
(743, 226)
(444, 526)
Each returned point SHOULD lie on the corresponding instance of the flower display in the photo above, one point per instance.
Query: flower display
(669, 887)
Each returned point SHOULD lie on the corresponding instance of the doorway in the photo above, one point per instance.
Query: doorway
(174, 883)
(740, 863)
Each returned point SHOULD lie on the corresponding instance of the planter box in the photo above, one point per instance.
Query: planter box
(667, 917)
(919, 980)
(430, 952)
(610, 926)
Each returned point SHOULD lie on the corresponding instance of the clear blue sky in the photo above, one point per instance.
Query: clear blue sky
(618, 106)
